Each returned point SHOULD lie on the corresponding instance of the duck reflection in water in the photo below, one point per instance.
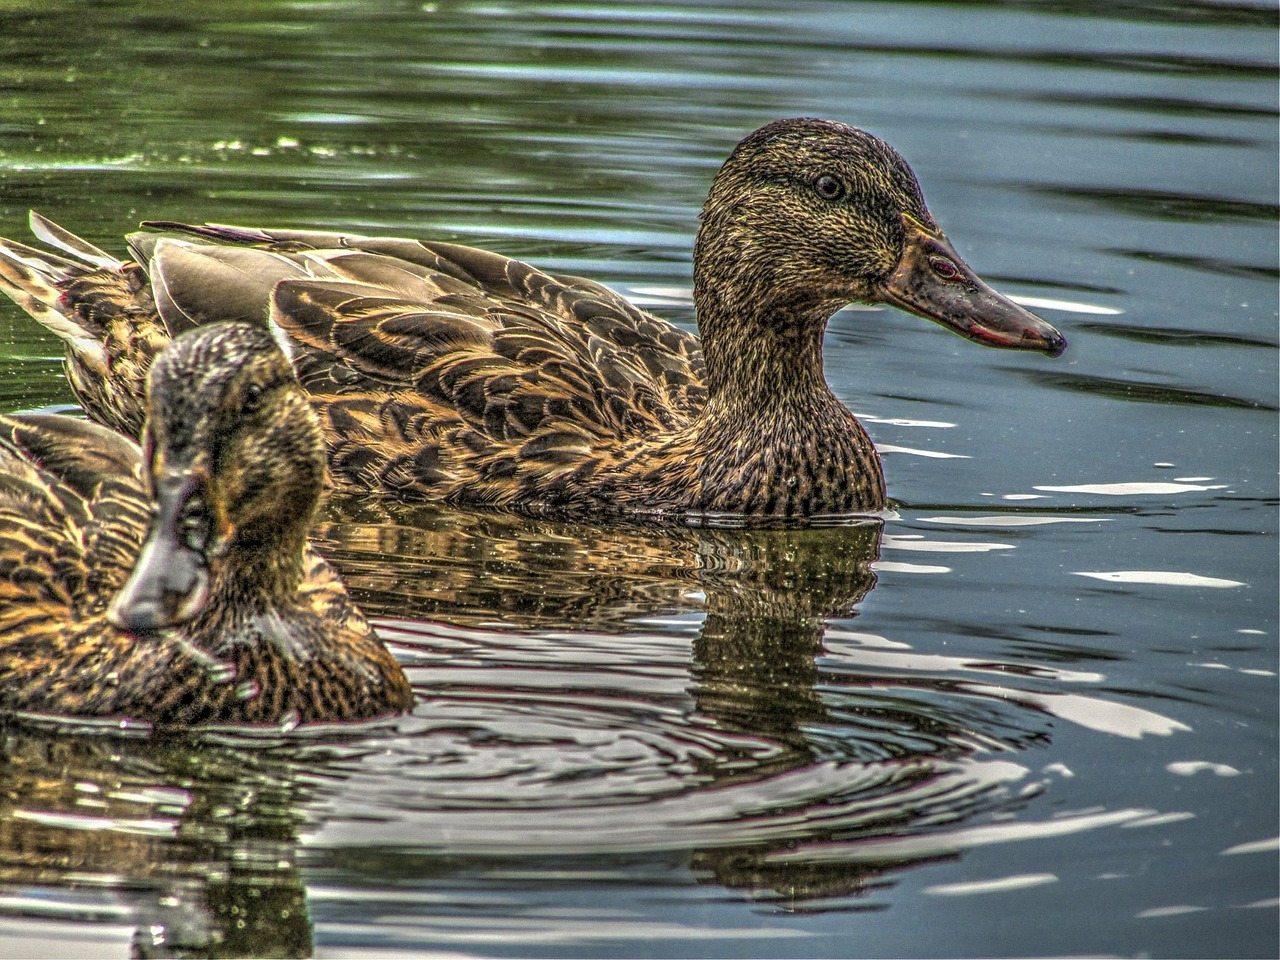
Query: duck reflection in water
(193, 844)
(200, 840)
(760, 603)
(768, 598)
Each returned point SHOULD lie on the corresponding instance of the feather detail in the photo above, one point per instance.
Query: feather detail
(274, 637)
(446, 372)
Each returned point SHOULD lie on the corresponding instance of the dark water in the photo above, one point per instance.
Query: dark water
(1036, 713)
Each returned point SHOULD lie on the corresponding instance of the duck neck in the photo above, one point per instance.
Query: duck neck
(763, 355)
(773, 438)
(253, 578)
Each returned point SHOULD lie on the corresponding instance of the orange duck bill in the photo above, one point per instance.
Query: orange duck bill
(932, 281)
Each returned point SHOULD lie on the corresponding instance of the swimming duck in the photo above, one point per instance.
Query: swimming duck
(176, 586)
(445, 372)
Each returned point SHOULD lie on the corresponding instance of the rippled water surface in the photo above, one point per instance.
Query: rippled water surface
(1034, 712)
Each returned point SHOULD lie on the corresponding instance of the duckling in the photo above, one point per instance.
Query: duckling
(449, 373)
(176, 587)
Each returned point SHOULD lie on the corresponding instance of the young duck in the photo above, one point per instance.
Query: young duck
(446, 372)
(176, 586)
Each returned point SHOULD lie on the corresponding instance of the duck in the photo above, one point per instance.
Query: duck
(172, 584)
(448, 373)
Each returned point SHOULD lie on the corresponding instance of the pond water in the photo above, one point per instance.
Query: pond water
(1034, 712)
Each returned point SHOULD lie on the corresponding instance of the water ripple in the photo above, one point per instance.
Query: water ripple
(1135, 391)
(1162, 204)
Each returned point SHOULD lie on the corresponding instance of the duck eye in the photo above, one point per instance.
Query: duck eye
(193, 525)
(829, 187)
(945, 268)
(252, 397)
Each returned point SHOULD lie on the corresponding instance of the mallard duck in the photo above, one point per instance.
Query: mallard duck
(446, 372)
(177, 587)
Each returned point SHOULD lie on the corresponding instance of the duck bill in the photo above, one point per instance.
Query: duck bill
(170, 581)
(932, 281)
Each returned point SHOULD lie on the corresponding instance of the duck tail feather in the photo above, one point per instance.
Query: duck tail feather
(63, 239)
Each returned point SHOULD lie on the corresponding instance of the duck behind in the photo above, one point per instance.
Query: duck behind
(445, 372)
(177, 587)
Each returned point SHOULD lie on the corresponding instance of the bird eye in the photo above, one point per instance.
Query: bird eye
(193, 525)
(945, 268)
(252, 397)
(829, 187)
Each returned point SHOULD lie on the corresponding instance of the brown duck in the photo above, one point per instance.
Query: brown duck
(445, 372)
(177, 587)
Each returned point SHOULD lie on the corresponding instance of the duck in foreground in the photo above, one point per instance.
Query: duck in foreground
(176, 586)
(445, 372)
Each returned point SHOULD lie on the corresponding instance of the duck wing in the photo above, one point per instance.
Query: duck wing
(449, 371)
(73, 510)
(439, 370)
(102, 309)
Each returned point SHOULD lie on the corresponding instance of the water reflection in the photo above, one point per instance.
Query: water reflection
(1137, 391)
(765, 728)
(194, 846)
(756, 733)
(764, 597)
(486, 568)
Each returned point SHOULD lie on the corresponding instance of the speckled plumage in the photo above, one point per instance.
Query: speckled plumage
(268, 635)
(445, 372)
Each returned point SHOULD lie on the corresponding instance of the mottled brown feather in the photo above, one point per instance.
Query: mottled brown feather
(445, 372)
(76, 504)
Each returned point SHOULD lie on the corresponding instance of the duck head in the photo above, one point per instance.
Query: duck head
(235, 460)
(808, 215)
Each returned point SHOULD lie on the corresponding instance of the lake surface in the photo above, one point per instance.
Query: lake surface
(1034, 712)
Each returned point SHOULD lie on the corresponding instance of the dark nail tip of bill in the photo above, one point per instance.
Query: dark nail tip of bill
(1054, 343)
